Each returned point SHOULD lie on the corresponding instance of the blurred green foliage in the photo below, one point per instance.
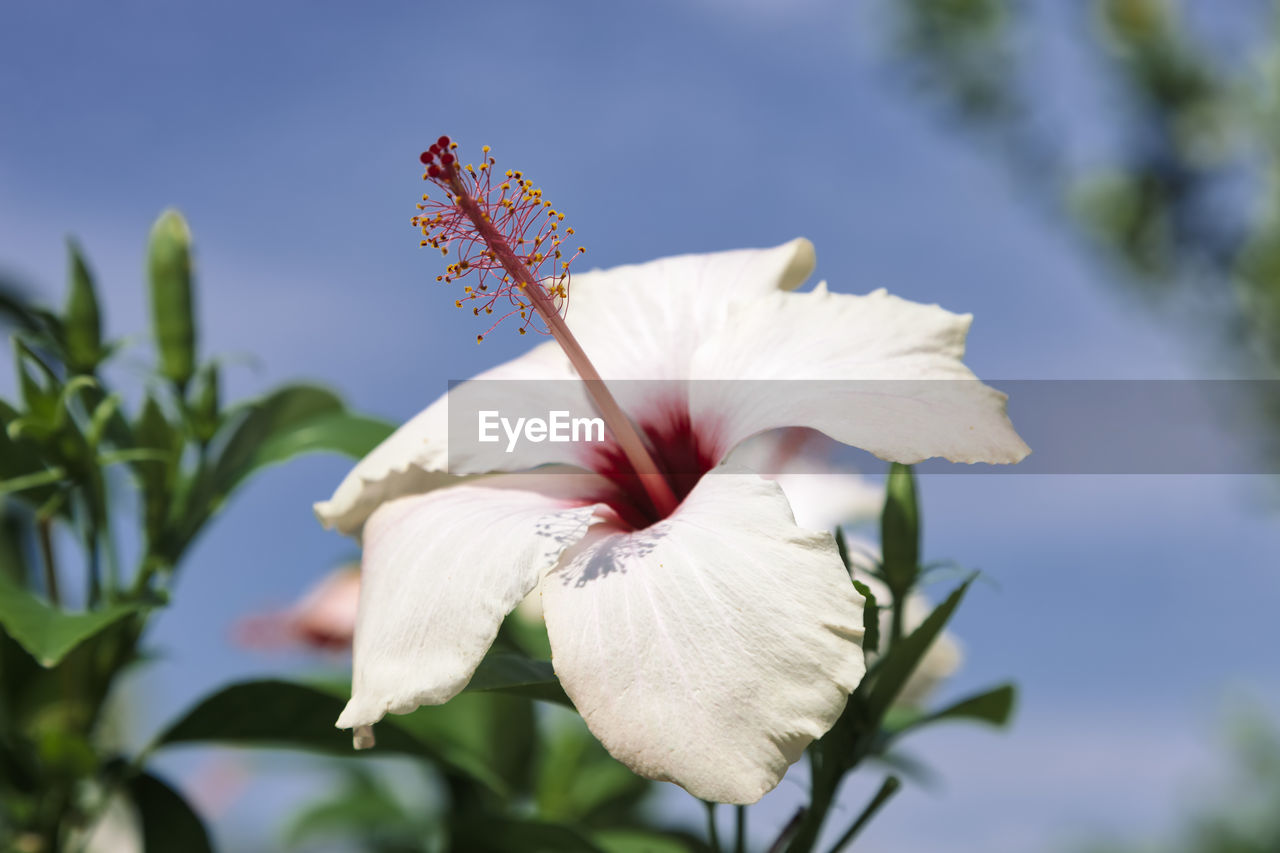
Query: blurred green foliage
(68, 447)
(1186, 197)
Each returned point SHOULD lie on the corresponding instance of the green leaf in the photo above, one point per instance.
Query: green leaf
(520, 676)
(17, 310)
(103, 413)
(578, 781)
(900, 530)
(153, 432)
(46, 632)
(870, 618)
(342, 432)
(206, 409)
(292, 420)
(994, 706)
(168, 821)
(897, 665)
(39, 397)
(14, 460)
(82, 322)
(492, 834)
(271, 429)
(842, 547)
(46, 477)
(173, 321)
(364, 808)
(115, 429)
(646, 841)
(275, 714)
(495, 730)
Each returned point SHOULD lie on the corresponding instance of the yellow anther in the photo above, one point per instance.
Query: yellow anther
(484, 149)
(568, 230)
(479, 339)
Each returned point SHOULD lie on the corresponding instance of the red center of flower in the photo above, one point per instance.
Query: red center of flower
(678, 449)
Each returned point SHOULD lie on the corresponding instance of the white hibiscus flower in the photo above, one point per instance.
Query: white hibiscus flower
(705, 638)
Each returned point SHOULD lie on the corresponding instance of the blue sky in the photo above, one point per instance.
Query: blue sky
(1126, 607)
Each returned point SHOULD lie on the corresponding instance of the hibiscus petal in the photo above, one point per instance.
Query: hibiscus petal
(416, 458)
(710, 649)
(440, 573)
(641, 321)
(874, 371)
(823, 496)
(644, 321)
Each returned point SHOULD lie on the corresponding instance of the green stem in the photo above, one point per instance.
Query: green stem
(713, 834)
(826, 780)
(50, 567)
(896, 626)
(886, 792)
(780, 843)
(95, 558)
(740, 836)
(113, 561)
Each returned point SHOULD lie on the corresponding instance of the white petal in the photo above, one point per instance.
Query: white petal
(875, 372)
(416, 458)
(710, 649)
(635, 322)
(644, 321)
(117, 830)
(440, 573)
(822, 496)
(825, 500)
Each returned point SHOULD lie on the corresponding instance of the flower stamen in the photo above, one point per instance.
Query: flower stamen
(483, 222)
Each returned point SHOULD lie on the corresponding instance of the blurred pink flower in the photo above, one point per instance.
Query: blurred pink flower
(324, 619)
